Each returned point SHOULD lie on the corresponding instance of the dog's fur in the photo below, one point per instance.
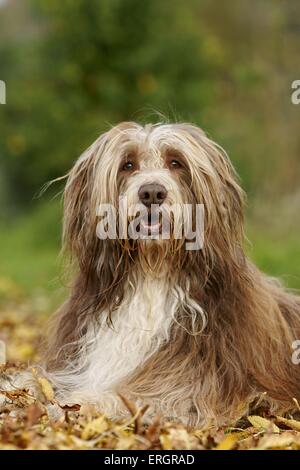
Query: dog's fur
(197, 335)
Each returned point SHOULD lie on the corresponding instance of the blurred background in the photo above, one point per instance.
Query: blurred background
(74, 67)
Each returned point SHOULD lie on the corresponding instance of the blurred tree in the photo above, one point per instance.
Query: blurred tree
(74, 67)
(90, 64)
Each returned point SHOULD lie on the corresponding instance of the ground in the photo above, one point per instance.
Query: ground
(36, 421)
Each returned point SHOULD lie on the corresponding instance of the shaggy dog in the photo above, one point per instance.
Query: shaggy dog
(195, 334)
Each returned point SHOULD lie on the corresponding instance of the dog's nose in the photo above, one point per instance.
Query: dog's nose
(152, 193)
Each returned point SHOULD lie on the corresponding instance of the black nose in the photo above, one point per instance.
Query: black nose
(152, 193)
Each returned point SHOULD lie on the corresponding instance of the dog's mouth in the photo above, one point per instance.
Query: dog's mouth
(150, 224)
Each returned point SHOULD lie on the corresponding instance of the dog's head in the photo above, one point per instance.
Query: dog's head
(164, 167)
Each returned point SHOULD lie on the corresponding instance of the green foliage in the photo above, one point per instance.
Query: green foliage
(90, 64)
(30, 249)
(276, 256)
(74, 67)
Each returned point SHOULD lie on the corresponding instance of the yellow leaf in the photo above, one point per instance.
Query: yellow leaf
(262, 423)
(166, 442)
(275, 442)
(229, 441)
(291, 423)
(46, 388)
(125, 443)
(179, 439)
(95, 427)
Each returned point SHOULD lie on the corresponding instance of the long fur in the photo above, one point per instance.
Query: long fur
(197, 335)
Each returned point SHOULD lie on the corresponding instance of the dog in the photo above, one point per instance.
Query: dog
(197, 335)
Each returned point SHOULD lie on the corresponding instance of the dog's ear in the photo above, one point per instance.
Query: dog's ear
(79, 225)
(215, 183)
(100, 269)
(231, 197)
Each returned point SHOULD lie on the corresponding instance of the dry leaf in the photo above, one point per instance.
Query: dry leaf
(276, 441)
(32, 419)
(34, 413)
(179, 439)
(46, 388)
(95, 427)
(166, 442)
(263, 424)
(291, 423)
(125, 443)
(229, 441)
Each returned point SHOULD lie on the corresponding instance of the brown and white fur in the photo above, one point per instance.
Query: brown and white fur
(197, 335)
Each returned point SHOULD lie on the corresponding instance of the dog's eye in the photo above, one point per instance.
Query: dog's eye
(128, 166)
(175, 164)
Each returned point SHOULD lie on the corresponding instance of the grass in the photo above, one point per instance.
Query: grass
(276, 255)
(30, 250)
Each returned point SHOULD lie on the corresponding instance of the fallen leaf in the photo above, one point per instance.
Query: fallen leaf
(166, 442)
(34, 413)
(125, 443)
(263, 424)
(95, 427)
(229, 441)
(46, 388)
(291, 423)
(276, 441)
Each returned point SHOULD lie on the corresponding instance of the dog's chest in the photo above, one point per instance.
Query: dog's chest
(140, 326)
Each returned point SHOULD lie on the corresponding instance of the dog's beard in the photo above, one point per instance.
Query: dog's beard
(154, 237)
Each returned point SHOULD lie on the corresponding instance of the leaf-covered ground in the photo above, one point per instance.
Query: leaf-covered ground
(36, 421)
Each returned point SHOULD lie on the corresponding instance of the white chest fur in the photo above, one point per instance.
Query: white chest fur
(140, 326)
(108, 355)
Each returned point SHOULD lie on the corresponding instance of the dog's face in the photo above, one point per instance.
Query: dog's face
(153, 180)
(159, 167)
(145, 170)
